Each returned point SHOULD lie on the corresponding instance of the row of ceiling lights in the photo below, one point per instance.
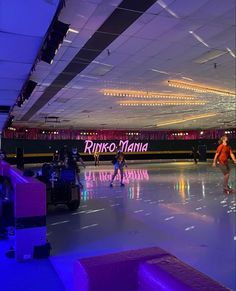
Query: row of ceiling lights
(81, 133)
(189, 118)
(199, 88)
(132, 133)
(88, 133)
(229, 131)
(143, 94)
(50, 132)
(180, 133)
(177, 99)
(127, 133)
(160, 103)
(174, 83)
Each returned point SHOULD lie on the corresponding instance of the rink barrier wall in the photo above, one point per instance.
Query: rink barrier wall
(145, 269)
(42, 150)
(29, 212)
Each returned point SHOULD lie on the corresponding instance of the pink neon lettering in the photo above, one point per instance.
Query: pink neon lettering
(90, 147)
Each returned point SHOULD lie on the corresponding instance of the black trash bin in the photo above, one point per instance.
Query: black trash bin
(202, 149)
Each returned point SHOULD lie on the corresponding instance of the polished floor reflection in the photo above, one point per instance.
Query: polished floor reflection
(177, 206)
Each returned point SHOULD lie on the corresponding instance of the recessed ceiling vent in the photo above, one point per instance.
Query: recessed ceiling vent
(52, 119)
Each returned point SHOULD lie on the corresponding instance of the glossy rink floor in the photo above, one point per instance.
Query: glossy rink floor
(177, 206)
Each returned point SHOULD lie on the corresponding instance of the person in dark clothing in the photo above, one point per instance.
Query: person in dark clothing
(119, 163)
(195, 154)
(70, 161)
(96, 158)
(3, 156)
(56, 157)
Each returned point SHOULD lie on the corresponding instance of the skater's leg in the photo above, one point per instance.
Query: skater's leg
(121, 176)
(226, 172)
(114, 175)
(226, 181)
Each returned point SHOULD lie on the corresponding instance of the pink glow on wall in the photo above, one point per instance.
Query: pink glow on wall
(134, 135)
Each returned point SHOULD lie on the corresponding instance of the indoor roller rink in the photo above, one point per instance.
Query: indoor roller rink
(178, 206)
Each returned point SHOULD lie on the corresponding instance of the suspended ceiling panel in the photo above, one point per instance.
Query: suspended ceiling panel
(191, 41)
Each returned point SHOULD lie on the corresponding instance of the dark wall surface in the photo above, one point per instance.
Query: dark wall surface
(42, 150)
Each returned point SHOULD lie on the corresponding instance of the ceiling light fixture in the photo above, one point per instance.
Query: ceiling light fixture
(199, 88)
(165, 6)
(186, 119)
(145, 94)
(198, 38)
(73, 30)
(68, 41)
(231, 52)
(185, 78)
(158, 71)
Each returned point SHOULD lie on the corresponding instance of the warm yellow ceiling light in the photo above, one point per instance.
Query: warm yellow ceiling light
(199, 88)
(194, 117)
(160, 103)
(144, 94)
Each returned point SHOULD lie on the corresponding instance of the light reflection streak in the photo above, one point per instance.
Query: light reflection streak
(180, 186)
(189, 228)
(59, 222)
(138, 211)
(176, 209)
(79, 212)
(89, 226)
(138, 191)
(203, 190)
(95, 210)
(93, 178)
(105, 176)
(169, 218)
(132, 188)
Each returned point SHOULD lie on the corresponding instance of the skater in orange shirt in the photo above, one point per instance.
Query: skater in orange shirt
(222, 154)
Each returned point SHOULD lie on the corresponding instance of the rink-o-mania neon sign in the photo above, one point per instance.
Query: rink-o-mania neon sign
(104, 147)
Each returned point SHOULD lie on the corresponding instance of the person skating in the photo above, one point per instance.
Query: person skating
(195, 154)
(70, 161)
(223, 152)
(119, 164)
(96, 158)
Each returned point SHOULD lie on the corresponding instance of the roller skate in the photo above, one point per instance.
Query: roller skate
(228, 190)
